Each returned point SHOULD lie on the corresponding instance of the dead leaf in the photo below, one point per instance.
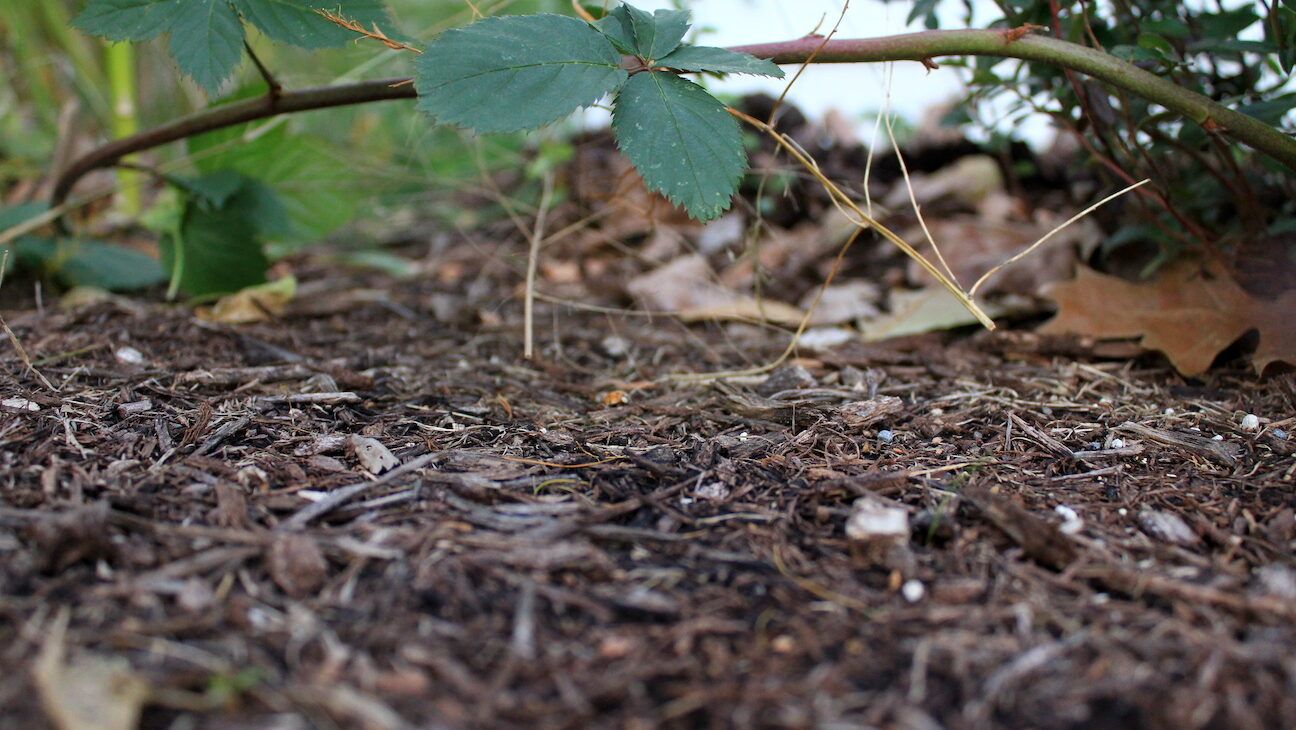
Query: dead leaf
(86, 691)
(925, 310)
(254, 304)
(1190, 313)
(296, 565)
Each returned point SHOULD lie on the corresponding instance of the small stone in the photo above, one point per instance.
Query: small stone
(129, 356)
(1166, 527)
(1071, 522)
(913, 590)
(873, 520)
(372, 455)
(788, 377)
(1250, 422)
(615, 346)
(1217, 437)
(1279, 434)
(1169, 411)
(886, 436)
(1118, 443)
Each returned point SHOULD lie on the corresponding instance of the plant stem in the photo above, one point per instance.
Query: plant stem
(921, 47)
(120, 58)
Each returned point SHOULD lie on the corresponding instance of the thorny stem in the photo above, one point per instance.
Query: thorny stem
(921, 47)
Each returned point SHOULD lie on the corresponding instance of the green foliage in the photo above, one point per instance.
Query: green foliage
(314, 188)
(207, 36)
(681, 140)
(214, 235)
(1237, 52)
(513, 73)
(523, 72)
(76, 262)
(718, 60)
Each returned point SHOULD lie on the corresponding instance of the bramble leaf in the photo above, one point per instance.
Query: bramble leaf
(297, 22)
(517, 72)
(216, 245)
(106, 266)
(618, 29)
(207, 41)
(681, 140)
(719, 60)
(658, 34)
(127, 20)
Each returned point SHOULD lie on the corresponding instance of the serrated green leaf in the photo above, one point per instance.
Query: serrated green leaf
(127, 20)
(681, 140)
(719, 60)
(297, 22)
(206, 41)
(517, 72)
(618, 29)
(216, 251)
(659, 33)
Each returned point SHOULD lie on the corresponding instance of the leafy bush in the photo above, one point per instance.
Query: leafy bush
(1213, 195)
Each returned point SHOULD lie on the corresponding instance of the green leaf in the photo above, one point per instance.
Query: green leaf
(658, 34)
(297, 22)
(216, 250)
(207, 41)
(618, 29)
(127, 20)
(18, 250)
(105, 266)
(517, 72)
(719, 60)
(316, 191)
(681, 140)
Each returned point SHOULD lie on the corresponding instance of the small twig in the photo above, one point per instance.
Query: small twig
(533, 264)
(796, 76)
(275, 89)
(581, 12)
(1029, 249)
(339, 497)
(374, 34)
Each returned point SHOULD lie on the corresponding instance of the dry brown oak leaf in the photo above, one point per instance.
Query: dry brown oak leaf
(1190, 312)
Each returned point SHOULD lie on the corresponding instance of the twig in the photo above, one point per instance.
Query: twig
(772, 120)
(533, 263)
(339, 497)
(922, 46)
(274, 88)
(1029, 249)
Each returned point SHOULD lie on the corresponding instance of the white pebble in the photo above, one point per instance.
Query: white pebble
(129, 356)
(1217, 437)
(1118, 443)
(1279, 434)
(885, 436)
(913, 590)
(1250, 422)
(1071, 522)
(1169, 411)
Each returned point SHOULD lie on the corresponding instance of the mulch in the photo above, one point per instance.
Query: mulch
(583, 540)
